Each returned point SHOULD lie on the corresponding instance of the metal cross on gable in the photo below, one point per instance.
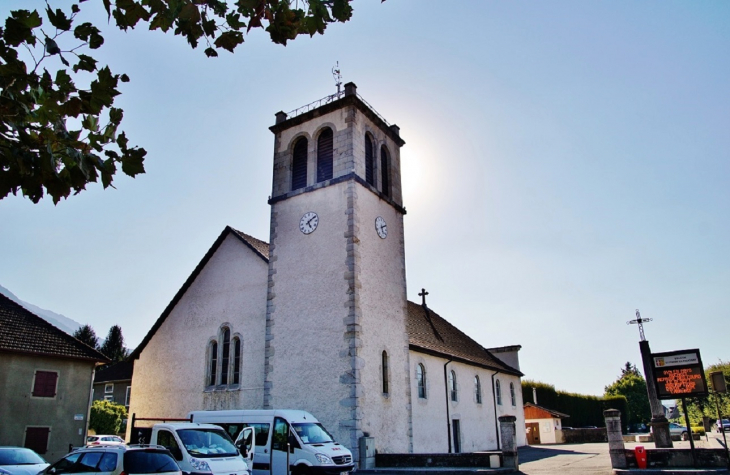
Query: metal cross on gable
(423, 296)
(639, 321)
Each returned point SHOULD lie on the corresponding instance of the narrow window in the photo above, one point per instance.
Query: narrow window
(236, 361)
(512, 393)
(421, 380)
(109, 388)
(478, 389)
(385, 170)
(498, 390)
(44, 384)
(127, 396)
(299, 165)
(213, 363)
(324, 155)
(385, 372)
(226, 355)
(36, 438)
(369, 161)
(452, 385)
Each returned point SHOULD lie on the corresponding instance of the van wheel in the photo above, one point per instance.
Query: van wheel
(684, 436)
(302, 470)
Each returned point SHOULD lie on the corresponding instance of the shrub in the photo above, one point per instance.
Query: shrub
(106, 417)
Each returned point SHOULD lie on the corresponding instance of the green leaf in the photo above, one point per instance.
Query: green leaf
(19, 27)
(234, 21)
(124, 78)
(342, 10)
(133, 161)
(75, 8)
(115, 115)
(58, 19)
(86, 63)
(211, 53)
(229, 40)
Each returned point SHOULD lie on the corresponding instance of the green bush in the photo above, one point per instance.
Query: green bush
(106, 417)
(698, 430)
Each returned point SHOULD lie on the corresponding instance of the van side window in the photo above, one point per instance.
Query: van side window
(281, 435)
(261, 429)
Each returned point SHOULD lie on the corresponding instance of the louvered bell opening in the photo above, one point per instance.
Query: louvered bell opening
(324, 156)
(369, 161)
(385, 169)
(299, 165)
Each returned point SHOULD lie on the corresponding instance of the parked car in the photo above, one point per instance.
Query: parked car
(104, 440)
(676, 430)
(723, 425)
(20, 461)
(116, 460)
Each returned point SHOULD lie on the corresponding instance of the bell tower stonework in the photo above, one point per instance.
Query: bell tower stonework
(336, 340)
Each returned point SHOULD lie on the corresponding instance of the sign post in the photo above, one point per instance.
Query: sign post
(678, 375)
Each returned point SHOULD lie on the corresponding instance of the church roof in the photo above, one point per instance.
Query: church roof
(430, 333)
(22, 331)
(259, 247)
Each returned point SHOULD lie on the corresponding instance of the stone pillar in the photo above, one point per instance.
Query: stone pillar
(659, 423)
(280, 117)
(616, 448)
(509, 442)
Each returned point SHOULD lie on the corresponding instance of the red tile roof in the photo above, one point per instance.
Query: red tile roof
(22, 331)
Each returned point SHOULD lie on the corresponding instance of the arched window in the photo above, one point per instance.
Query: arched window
(421, 380)
(385, 372)
(385, 170)
(512, 393)
(299, 165)
(226, 355)
(212, 370)
(498, 390)
(369, 161)
(324, 155)
(452, 385)
(478, 389)
(236, 360)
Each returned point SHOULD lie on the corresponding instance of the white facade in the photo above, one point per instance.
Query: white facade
(319, 313)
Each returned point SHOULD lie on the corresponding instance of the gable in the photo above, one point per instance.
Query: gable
(533, 411)
(258, 248)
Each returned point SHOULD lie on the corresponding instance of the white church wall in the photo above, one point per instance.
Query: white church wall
(170, 375)
(382, 301)
(507, 408)
(307, 311)
(429, 413)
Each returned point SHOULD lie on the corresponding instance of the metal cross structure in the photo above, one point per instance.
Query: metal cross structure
(423, 296)
(639, 321)
(338, 77)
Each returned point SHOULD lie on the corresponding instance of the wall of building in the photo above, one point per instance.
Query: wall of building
(170, 376)
(66, 414)
(549, 430)
(118, 393)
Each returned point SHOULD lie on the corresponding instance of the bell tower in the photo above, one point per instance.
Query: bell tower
(336, 340)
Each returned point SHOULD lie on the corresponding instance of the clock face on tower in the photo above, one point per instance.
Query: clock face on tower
(380, 227)
(309, 222)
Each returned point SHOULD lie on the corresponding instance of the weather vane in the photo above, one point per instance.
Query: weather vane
(639, 321)
(338, 77)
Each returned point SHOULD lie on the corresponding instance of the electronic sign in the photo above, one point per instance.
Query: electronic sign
(679, 374)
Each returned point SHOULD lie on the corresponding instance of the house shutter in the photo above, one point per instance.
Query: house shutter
(36, 438)
(299, 165)
(369, 161)
(45, 384)
(324, 155)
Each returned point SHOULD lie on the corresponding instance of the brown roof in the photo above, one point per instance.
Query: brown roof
(539, 412)
(22, 331)
(259, 247)
(429, 333)
(121, 371)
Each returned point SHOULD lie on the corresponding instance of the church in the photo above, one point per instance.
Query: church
(318, 318)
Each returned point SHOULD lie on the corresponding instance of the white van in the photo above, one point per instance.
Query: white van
(205, 448)
(311, 449)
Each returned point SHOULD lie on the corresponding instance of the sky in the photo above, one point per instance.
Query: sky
(566, 163)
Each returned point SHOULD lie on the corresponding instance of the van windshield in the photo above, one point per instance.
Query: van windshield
(312, 433)
(207, 442)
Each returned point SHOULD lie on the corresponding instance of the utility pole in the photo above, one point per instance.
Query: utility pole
(659, 423)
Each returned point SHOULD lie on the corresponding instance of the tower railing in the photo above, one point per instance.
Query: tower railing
(326, 100)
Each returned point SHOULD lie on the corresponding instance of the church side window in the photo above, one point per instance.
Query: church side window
(369, 161)
(385, 170)
(452, 386)
(299, 165)
(385, 372)
(324, 155)
(213, 363)
(478, 389)
(421, 380)
(512, 393)
(226, 355)
(498, 390)
(236, 360)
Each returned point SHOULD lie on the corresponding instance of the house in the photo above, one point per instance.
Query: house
(543, 425)
(317, 318)
(113, 382)
(45, 383)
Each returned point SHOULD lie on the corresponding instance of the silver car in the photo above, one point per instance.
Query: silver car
(676, 430)
(20, 461)
(116, 460)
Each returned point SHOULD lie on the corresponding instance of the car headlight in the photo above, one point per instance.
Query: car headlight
(200, 465)
(323, 459)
